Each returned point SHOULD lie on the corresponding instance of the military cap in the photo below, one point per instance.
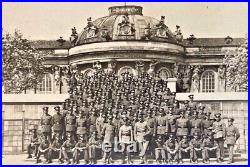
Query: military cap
(45, 108)
(186, 101)
(57, 107)
(123, 112)
(231, 120)
(217, 115)
(196, 134)
(191, 96)
(201, 107)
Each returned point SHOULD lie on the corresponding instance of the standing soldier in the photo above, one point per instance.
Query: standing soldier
(126, 138)
(184, 147)
(70, 121)
(161, 124)
(207, 124)
(150, 120)
(196, 125)
(82, 125)
(172, 148)
(92, 147)
(58, 122)
(92, 121)
(196, 147)
(232, 135)
(46, 123)
(108, 133)
(172, 120)
(191, 103)
(141, 130)
(182, 124)
(219, 135)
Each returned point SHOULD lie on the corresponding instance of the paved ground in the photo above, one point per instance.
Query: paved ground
(21, 159)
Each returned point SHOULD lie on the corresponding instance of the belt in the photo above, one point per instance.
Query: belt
(161, 125)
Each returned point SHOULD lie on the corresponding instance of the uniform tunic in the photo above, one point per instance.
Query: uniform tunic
(46, 123)
(109, 133)
(126, 134)
(182, 126)
(232, 134)
(58, 122)
(70, 121)
(196, 126)
(141, 129)
(81, 125)
(162, 125)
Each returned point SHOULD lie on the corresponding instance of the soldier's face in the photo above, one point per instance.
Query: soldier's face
(230, 123)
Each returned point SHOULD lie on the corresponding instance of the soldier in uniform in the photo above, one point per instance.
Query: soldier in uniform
(125, 138)
(141, 130)
(191, 103)
(150, 120)
(67, 149)
(208, 146)
(80, 150)
(182, 124)
(55, 148)
(232, 135)
(46, 123)
(58, 122)
(160, 150)
(108, 133)
(161, 124)
(184, 147)
(172, 148)
(92, 121)
(82, 125)
(219, 135)
(196, 146)
(43, 149)
(34, 143)
(70, 123)
(196, 125)
(93, 143)
(172, 120)
(207, 124)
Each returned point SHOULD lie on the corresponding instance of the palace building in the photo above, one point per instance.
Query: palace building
(127, 41)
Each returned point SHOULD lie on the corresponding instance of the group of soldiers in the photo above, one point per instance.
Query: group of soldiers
(108, 113)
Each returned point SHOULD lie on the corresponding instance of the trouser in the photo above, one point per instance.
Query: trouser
(172, 156)
(78, 154)
(231, 151)
(31, 148)
(53, 154)
(181, 151)
(48, 135)
(92, 152)
(160, 152)
(220, 149)
(126, 152)
(193, 154)
(205, 153)
(64, 154)
(39, 153)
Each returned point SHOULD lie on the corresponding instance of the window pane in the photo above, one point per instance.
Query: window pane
(208, 82)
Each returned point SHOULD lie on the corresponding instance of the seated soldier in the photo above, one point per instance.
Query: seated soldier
(160, 150)
(34, 143)
(43, 149)
(67, 149)
(184, 147)
(196, 147)
(208, 145)
(171, 146)
(55, 148)
(80, 150)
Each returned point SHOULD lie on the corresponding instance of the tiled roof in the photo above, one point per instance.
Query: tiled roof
(49, 44)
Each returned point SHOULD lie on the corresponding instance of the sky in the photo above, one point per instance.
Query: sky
(49, 21)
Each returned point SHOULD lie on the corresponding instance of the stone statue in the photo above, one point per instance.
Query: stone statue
(91, 29)
(74, 36)
(97, 66)
(187, 79)
(221, 72)
(176, 70)
(57, 74)
(147, 33)
(161, 28)
(151, 70)
(111, 67)
(178, 34)
(196, 79)
(125, 27)
(140, 67)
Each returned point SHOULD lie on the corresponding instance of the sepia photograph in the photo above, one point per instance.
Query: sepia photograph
(125, 83)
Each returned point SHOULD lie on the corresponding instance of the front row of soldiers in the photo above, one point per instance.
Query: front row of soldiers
(166, 144)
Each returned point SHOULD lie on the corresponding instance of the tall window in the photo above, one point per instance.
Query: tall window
(164, 73)
(208, 81)
(46, 85)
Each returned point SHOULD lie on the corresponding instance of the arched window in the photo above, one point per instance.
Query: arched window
(46, 86)
(128, 69)
(208, 81)
(164, 73)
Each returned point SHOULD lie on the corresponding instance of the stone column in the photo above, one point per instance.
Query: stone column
(172, 84)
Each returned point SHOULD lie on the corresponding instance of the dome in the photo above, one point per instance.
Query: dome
(125, 23)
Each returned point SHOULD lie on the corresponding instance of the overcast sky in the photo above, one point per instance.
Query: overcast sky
(49, 21)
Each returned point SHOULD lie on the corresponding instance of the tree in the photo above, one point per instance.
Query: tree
(236, 62)
(22, 64)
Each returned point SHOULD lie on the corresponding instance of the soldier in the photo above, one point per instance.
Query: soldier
(232, 135)
(161, 124)
(160, 150)
(46, 123)
(207, 124)
(208, 145)
(172, 148)
(182, 124)
(58, 122)
(196, 125)
(196, 147)
(80, 150)
(82, 125)
(184, 147)
(219, 135)
(191, 103)
(55, 148)
(70, 121)
(150, 120)
(43, 149)
(172, 120)
(201, 113)
(92, 121)
(141, 130)
(67, 149)
(108, 133)
(34, 143)
(125, 138)
(93, 143)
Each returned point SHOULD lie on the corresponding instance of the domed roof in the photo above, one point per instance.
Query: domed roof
(125, 23)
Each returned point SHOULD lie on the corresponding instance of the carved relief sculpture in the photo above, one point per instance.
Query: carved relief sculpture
(221, 72)
(151, 70)
(91, 29)
(140, 67)
(111, 67)
(125, 27)
(161, 28)
(178, 34)
(97, 66)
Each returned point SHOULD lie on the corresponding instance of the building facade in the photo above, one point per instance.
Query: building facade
(128, 41)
